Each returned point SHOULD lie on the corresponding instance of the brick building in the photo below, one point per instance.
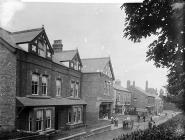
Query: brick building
(122, 99)
(47, 90)
(97, 87)
(158, 105)
(143, 101)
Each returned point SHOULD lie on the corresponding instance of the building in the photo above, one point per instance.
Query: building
(44, 93)
(97, 87)
(158, 108)
(158, 105)
(122, 99)
(141, 100)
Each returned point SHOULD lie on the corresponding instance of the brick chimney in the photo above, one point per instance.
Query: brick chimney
(128, 84)
(133, 83)
(57, 46)
(146, 86)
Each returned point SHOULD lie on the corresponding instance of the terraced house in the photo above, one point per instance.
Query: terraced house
(43, 83)
(122, 99)
(97, 87)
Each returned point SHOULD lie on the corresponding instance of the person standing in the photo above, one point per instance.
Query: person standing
(138, 117)
(144, 118)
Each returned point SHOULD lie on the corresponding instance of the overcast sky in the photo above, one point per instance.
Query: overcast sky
(96, 30)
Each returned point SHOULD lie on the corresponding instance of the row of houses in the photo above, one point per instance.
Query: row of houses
(45, 88)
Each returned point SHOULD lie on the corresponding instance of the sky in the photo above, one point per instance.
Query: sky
(95, 29)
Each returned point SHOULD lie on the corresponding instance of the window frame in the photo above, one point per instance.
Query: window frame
(73, 88)
(44, 86)
(46, 121)
(40, 120)
(30, 122)
(33, 84)
(57, 87)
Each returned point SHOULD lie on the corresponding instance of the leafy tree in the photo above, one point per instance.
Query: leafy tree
(164, 18)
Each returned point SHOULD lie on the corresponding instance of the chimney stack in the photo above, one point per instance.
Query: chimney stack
(128, 84)
(57, 46)
(146, 87)
(133, 83)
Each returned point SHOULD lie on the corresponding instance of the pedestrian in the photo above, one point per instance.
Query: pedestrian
(150, 124)
(112, 120)
(144, 118)
(138, 117)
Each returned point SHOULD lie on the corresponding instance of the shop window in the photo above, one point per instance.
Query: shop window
(58, 87)
(35, 84)
(44, 85)
(48, 119)
(39, 120)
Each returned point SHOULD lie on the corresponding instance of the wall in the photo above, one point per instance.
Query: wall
(7, 88)
(29, 63)
(141, 99)
(93, 93)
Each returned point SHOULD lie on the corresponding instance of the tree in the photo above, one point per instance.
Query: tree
(164, 18)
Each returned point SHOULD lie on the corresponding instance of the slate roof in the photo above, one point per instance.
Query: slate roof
(6, 36)
(25, 101)
(64, 55)
(118, 87)
(143, 91)
(25, 35)
(94, 64)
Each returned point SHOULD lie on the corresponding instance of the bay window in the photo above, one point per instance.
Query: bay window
(39, 120)
(48, 119)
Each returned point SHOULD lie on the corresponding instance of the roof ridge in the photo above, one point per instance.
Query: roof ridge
(29, 30)
(95, 58)
(5, 30)
(69, 50)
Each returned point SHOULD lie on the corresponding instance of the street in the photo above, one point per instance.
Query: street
(109, 135)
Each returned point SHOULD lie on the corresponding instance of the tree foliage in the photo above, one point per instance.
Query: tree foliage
(164, 18)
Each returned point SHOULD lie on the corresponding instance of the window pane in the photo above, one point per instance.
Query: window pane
(58, 87)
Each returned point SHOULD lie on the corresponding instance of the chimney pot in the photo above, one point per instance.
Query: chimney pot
(128, 84)
(58, 46)
(146, 87)
(133, 83)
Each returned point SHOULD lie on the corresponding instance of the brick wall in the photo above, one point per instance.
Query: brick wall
(93, 93)
(7, 88)
(30, 63)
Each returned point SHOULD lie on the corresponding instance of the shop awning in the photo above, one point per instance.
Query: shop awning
(141, 110)
(26, 101)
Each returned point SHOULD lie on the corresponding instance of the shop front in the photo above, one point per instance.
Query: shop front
(105, 110)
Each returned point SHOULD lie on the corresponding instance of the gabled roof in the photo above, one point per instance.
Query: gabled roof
(26, 35)
(94, 64)
(65, 55)
(118, 87)
(143, 91)
(6, 36)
